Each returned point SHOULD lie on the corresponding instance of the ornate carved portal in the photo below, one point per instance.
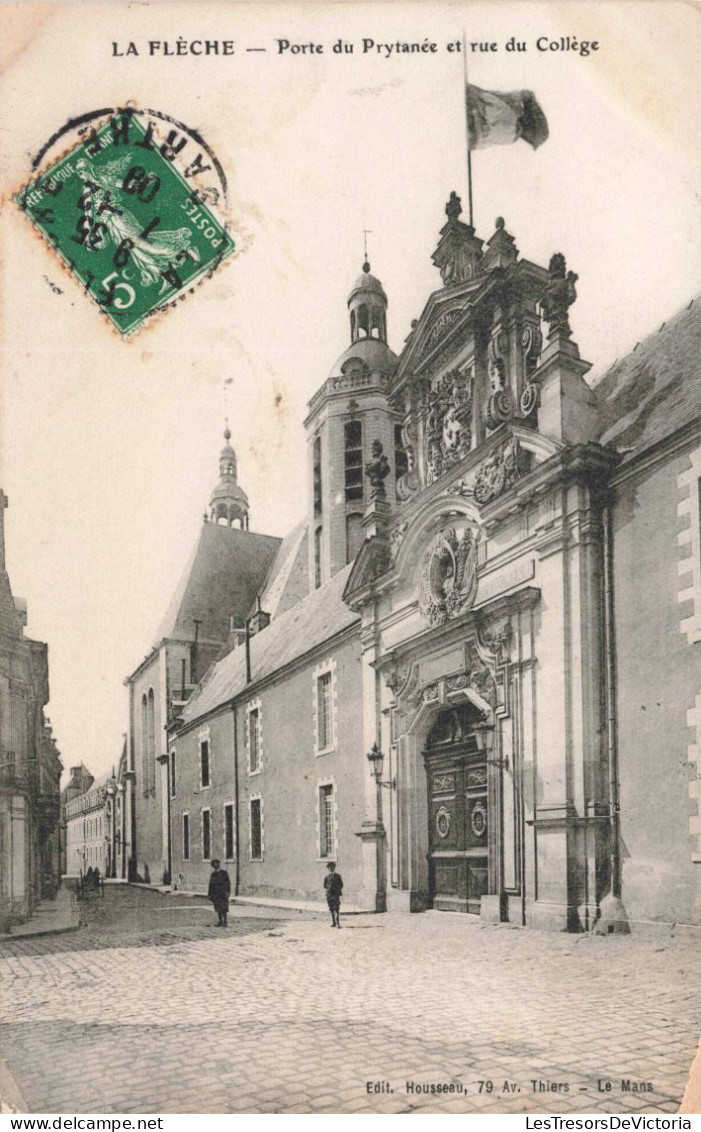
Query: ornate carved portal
(459, 813)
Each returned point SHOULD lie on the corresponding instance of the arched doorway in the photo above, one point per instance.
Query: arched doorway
(458, 811)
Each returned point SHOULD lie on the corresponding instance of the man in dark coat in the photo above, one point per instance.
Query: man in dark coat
(333, 883)
(219, 891)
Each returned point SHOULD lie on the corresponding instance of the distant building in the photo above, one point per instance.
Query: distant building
(30, 767)
(91, 829)
(472, 676)
(80, 780)
(227, 569)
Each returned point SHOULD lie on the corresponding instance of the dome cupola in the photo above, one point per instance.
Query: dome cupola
(367, 304)
(228, 501)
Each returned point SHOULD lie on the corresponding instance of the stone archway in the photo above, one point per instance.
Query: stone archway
(421, 709)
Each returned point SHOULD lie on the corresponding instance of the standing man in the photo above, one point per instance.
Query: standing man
(219, 891)
(333, 883)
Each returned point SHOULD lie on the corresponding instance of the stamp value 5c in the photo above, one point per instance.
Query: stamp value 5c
(125, 217)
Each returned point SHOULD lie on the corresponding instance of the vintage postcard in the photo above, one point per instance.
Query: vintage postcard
(350, 569)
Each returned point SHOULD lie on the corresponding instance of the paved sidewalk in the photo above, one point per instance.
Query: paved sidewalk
(49, 918)
(424, 1013)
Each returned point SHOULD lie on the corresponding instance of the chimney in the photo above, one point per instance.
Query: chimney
(259, 620)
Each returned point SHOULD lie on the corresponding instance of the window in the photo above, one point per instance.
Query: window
(172, 774)
(206, 835)
(324, 694)
(316, 476)
(317, 558)
(151, 732)
(204, 763)
(401, 462)
(256, 829)
(229, 832)
(144, 745)
(254, 761)
(327, 828)
(186, 837)
(353, 461)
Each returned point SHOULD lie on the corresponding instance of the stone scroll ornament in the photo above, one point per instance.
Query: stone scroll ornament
(499, 407)
(448, 583)
(498, 472)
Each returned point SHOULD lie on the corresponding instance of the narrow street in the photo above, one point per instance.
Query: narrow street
(148, 1008)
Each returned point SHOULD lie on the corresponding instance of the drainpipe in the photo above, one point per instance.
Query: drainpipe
(248, 650)
(612, 914)
(237, 869)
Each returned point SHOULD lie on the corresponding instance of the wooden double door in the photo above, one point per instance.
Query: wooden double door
(458, 827)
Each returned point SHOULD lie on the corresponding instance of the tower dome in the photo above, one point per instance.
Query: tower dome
(228, 501)
(367, 304)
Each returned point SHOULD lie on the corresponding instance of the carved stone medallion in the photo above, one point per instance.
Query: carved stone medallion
(448, 576)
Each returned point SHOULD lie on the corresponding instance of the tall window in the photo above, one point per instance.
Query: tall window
(229, 832)
(204, 763)
(144, 745)
(254, 740)
(172, 774)
(206, 835)
(324, 693)
(353, 461)
(327, 831)
(317, 558)
(401, 461)
(186, 837)
(316, 470)
(256, 830)
(151, 716)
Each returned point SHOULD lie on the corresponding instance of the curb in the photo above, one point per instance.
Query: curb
(40, 934)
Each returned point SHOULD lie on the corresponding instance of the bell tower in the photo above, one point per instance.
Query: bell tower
(228, 502)
(349, 415)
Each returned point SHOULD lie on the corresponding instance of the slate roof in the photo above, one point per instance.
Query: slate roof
(648, 395)
(288, 578)
(308, 624)
(224, 574)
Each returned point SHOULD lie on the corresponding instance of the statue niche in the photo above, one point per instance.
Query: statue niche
(448, 423)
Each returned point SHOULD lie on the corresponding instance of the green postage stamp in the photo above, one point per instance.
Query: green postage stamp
(127, 217)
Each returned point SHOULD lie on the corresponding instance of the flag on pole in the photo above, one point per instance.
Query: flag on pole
(494, 118)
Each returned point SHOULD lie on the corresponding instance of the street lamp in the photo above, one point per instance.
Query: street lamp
(484, 736)
(376, 759)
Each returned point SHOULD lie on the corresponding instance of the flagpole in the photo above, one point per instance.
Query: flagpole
(467, 128)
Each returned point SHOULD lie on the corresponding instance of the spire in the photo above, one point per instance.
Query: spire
(228, 501)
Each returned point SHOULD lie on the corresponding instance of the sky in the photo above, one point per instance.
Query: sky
(109, 449)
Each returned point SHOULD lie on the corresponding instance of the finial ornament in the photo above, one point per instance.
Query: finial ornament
(454, 207)
(366, 267)
(377, 470)
(559, 295)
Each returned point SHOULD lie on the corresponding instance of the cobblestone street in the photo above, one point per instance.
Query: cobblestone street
(149, 1009)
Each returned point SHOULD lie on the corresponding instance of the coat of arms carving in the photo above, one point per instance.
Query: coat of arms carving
(448, 423)
(448, 581)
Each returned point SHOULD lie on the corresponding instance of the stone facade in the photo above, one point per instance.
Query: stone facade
(30, 767)
(91, 830)
(293, 805)
(510, 720)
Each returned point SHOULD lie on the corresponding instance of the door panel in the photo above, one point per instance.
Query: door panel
(458, 817)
